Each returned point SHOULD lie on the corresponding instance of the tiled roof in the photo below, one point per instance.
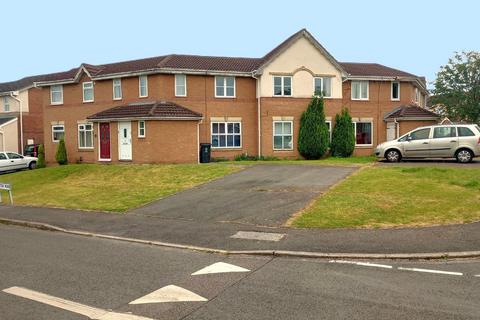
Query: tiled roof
(201, 63)
(373, 70)
(410, 111)
(147, 110)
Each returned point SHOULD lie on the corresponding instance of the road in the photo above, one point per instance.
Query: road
(100, 278)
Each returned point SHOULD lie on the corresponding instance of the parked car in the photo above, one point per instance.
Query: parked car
(13, 161)
(439, 141)
(31, 150)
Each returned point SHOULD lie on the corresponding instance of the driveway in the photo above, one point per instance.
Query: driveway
(264, 195)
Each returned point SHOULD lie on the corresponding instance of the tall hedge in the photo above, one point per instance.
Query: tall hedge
(343, 136)
(313, 136)
(41, 157)
(61, 155)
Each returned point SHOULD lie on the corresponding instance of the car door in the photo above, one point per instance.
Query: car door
(417, 144)
(444, 142)
(17, 161)
(5, 163)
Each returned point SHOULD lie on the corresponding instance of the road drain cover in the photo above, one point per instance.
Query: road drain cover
(254, 235)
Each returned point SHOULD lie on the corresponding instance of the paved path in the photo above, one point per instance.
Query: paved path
(94, 276)
(265, 195)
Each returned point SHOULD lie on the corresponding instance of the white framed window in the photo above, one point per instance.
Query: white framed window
(226, 134)
(141, 129)
(282, 86)
(359, 90)
(58, 132)
(282, 135)
(56, 94)
(88, 95)
(363, 133)
(322, 86)
(143, 86)
(85, 136)
(117, 89)
(395, 92)
(329, 125)
(6, 104)
(180, 85)
(224, 87)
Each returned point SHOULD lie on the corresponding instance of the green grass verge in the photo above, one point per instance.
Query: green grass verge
(330, 161)
(114, 188)
(396, 196)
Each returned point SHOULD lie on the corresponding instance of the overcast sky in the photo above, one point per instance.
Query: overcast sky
(49, 36)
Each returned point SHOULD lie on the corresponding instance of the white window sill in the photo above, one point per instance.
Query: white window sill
(56, 103)
(117, 99)
(283, 150)
(395, 99)
(90, 101)
(226, 148)
(365, 146)
(360, 99)
(223, 97)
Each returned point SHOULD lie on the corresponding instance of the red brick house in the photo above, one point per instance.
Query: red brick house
(160, 109)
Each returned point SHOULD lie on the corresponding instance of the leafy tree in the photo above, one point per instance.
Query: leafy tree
(343, 136)
(313, 136)
(61, 155)
(41, 157)
(457, 88)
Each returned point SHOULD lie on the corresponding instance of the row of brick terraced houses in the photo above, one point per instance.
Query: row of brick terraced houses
(160, 109)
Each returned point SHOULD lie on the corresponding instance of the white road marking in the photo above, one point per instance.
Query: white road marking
(87, 311)
(169, 293)
(365, 264)
(431, 271)
(220, 267)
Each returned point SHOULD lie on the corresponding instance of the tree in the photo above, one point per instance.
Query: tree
(61, 155)
(457, 87)
(41, 157)
(343, 136)
(313, 136)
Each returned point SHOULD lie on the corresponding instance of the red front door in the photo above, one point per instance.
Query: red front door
(104, 140)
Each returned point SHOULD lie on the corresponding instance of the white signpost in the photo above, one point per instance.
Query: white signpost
(8, 187)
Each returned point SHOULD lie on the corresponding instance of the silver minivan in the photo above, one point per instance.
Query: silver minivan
(460, 141)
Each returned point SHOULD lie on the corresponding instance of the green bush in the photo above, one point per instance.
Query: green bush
(41, 157)
(61, 155)
(313, 136)
(343, 136)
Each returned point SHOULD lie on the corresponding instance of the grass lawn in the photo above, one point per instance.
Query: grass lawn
(396, 196)
(330, 161)
(114, 188)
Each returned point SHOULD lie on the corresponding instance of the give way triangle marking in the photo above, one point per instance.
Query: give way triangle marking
(220, 267)
(87, 311)
(169, 293)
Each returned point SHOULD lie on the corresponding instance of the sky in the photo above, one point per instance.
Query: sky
(50, 36)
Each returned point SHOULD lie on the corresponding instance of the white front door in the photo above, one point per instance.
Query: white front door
(391, 131)
(125, 140)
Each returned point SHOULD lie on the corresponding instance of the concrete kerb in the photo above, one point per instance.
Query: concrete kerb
(273, 253)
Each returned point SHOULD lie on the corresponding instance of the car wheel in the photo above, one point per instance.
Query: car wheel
(464, 156)
(393, 156)
(32, 165)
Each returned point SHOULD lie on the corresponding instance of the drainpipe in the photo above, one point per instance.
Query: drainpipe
(259, 116)
(397, 127)
(21, 119)
(3, 140)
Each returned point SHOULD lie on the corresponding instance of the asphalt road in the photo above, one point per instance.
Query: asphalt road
(265, 195)
(109, 274)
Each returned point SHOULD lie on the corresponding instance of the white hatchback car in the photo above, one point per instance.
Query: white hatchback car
(10, 161)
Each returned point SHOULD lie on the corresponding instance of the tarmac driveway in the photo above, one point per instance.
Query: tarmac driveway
(265, 195)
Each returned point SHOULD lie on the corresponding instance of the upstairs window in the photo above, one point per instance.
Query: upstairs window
(85, 136)
(88, 91)
(180, 85)
(226, 135)
(359, 90)
(322, 87)
(58, 132)
(282, 86)
(224, 87)
(117, 89)
(56, 94)
(143, 86)
(417, 96)
(6, 104)
(395, 91)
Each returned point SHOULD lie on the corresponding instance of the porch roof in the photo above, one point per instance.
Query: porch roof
(153, 110)
(409, 112)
